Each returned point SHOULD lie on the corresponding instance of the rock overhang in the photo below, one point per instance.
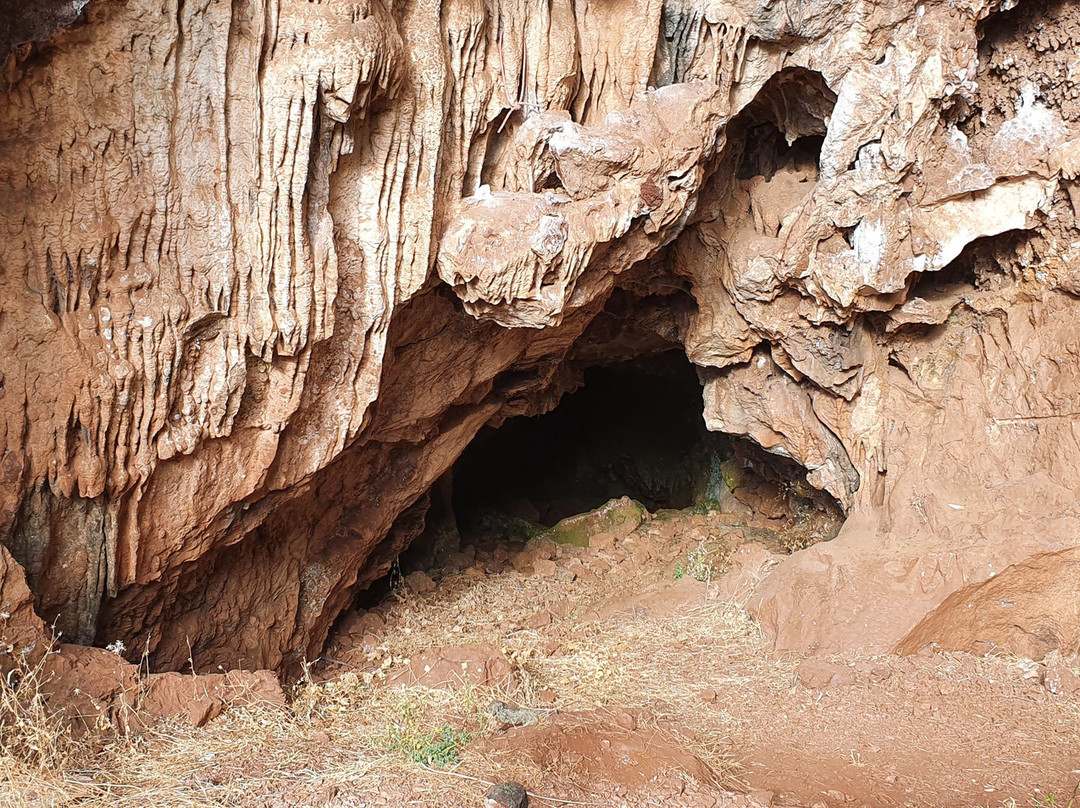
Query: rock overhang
(249, 420)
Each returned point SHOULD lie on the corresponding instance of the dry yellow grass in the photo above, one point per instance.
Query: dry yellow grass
(346, 737)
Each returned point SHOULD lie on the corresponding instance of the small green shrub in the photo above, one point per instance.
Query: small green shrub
(699, 562)
(438, 747)
(705, 562)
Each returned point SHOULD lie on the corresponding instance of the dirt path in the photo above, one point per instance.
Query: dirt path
(913, 732)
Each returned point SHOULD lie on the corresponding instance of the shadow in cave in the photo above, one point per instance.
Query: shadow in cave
(634, 429)
(783, 129)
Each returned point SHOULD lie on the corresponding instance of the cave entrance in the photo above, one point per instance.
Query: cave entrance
(634, 429)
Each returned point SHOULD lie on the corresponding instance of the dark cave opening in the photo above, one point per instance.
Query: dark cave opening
(634, 429)
(783, 129)
(982, 262)
(768, 152)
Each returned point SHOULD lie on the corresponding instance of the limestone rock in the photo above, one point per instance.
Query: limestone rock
(267, 267)
(419, 582)
(94, 684)
(819, 674)
(20, 628)
(507, 795)
(1029, 609)
(617, 518)
(514, 716)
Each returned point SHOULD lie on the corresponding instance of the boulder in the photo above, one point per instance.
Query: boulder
(617, 518)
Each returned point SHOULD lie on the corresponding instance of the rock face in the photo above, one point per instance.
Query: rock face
(267, 266)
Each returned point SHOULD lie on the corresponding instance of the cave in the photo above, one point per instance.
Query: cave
(784, 127)
(298, 299)
(633, 428)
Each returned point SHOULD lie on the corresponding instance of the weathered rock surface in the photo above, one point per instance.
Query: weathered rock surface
(267, 266)
(1030, 608)
(97, 687)
(617, 519)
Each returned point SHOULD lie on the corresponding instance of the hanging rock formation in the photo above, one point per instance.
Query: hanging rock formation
(267, 266)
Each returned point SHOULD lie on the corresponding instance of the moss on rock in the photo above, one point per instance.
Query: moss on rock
(618, 517)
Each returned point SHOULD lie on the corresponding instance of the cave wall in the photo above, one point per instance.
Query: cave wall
(267, 266)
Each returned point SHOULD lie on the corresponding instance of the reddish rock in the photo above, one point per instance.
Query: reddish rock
(475, 665)
(419, 582)
(602, 541)
(542, 548)
(624, 719)
(89, 682)
(459, 561)
(547, 569)
(562, 607)
(523, 562)
(578, 570)
(818, 674)
(361, 623)
(21, 630)
(1029, 608)
(539, 620)
(197, 699)
(1060, 680)
(761, 797)
(748, 566)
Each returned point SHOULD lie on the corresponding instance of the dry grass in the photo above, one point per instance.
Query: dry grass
(350, 739)
(33, 735)
(345, 741)
(35, 739)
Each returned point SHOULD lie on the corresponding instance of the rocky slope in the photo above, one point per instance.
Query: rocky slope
(267, 266)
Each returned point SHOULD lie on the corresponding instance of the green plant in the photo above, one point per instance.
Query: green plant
(438, 747)
(1051, 799)
(706, 561)
(699, 562)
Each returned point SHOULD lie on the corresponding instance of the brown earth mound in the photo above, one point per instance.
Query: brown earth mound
(616, 756)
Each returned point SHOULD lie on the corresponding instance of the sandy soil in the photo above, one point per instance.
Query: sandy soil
(932, 729)
(641, 686)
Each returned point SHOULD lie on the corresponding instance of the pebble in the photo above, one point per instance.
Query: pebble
(507, 795)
